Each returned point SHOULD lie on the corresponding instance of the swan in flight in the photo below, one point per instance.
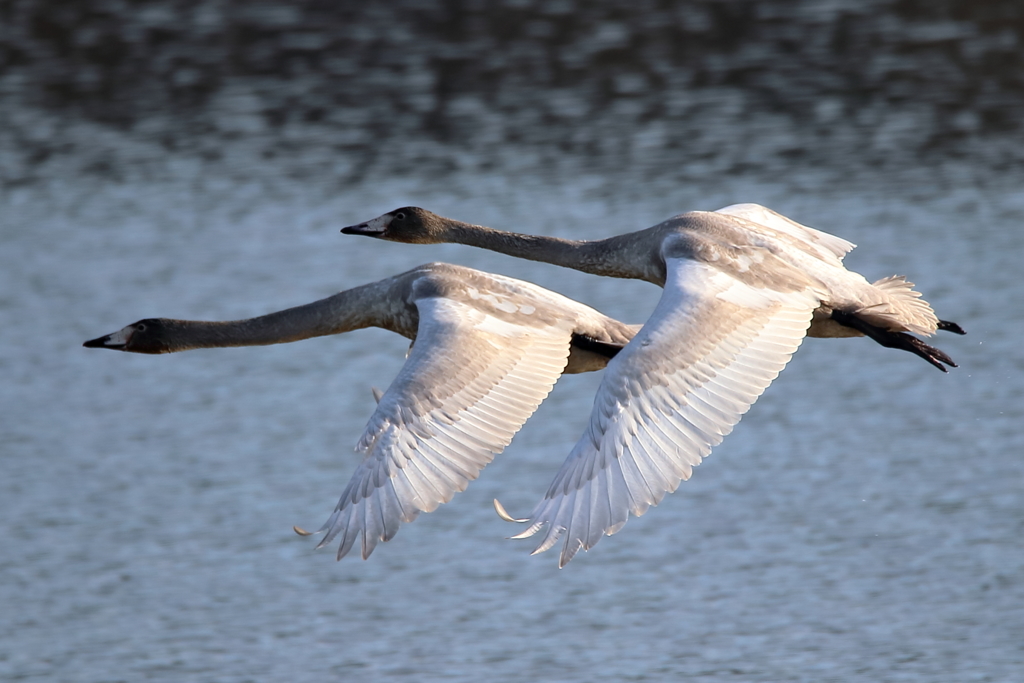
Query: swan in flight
(486, 351)
(742, 287)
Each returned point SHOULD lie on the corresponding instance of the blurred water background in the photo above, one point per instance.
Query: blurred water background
(195, 159)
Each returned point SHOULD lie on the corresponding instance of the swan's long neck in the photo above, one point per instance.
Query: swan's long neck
(608, 257)
(350, 310)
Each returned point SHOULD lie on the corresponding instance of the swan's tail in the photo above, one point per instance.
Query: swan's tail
(902, 310)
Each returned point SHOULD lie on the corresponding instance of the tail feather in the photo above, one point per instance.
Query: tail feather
(903, 310)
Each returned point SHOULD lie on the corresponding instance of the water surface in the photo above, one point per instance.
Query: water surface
(862, 523)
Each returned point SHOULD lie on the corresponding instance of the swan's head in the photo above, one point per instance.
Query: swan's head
(409, 224)
(145, 336)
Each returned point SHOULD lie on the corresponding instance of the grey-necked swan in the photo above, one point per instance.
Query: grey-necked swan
(742, 287)
(487, 350)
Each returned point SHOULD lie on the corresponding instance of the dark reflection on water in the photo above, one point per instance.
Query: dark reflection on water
(342, 87)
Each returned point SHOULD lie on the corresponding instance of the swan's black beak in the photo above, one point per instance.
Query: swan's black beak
(363, 229)
(375, 228)
(118, 341)
(104, 342)
(360, 229)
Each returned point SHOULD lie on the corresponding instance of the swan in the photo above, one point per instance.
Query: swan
(486, 351)
(743, 286)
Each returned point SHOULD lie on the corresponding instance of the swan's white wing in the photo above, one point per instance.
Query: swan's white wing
(471, 380)
(712, 345)
(829, 248)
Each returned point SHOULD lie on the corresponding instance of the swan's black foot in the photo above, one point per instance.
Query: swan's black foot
(606, 349)
(951, 327)
(900, 340)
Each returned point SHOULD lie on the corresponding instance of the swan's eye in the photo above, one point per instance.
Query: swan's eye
(399, 216)
(141, 327)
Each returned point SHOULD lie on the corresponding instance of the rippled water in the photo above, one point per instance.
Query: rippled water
(332, 91)
(863, 522)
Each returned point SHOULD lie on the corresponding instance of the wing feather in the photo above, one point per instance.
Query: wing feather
(830, 248)
(711, 347)
(470, 382)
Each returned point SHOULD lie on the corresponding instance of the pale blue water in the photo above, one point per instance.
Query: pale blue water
(863, 523)
(196, 159)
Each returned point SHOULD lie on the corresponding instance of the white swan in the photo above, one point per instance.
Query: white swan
(487, 350)
(743, 286)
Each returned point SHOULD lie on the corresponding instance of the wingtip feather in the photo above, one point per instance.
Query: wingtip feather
(503, 513)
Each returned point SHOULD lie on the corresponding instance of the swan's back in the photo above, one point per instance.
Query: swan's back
(752, 243)
(829, 247)
(515, 301)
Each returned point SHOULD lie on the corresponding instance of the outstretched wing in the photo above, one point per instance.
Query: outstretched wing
(711, 347)
(471, 380)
